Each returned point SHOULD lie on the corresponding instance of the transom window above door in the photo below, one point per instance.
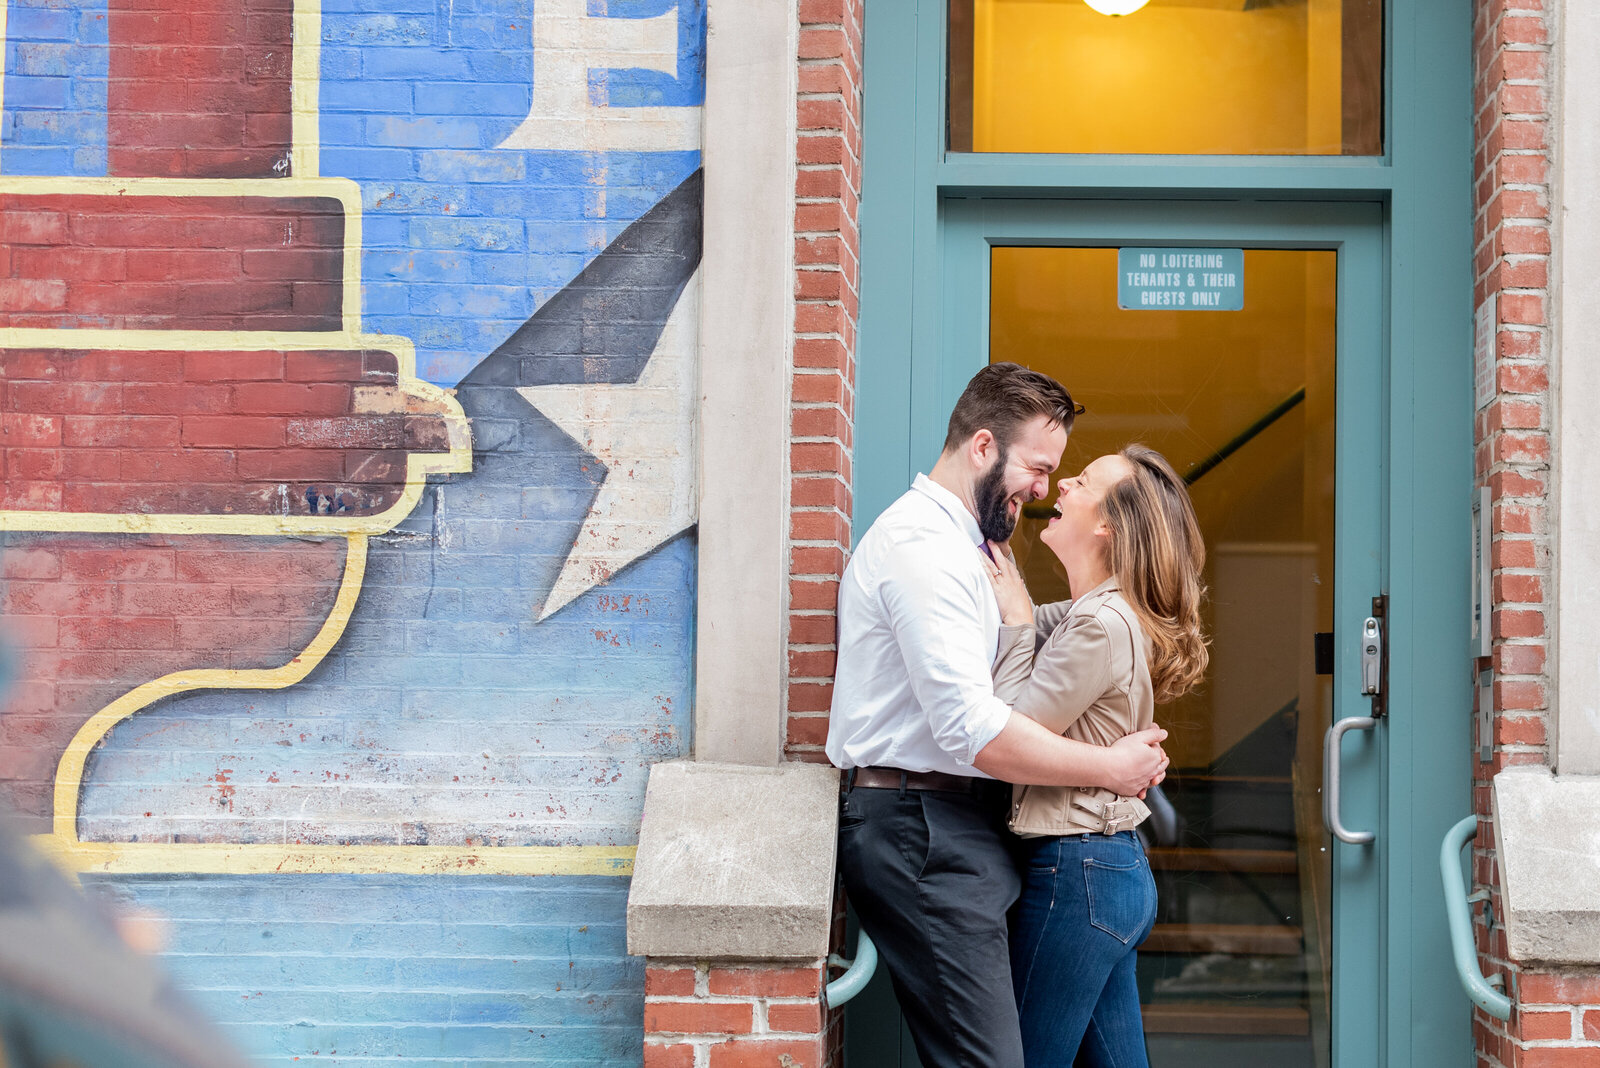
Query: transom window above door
(1187, 77)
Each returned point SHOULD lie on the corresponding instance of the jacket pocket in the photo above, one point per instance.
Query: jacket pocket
(1122, 898)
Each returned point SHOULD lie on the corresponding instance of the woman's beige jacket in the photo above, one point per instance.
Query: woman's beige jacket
(1082, 670)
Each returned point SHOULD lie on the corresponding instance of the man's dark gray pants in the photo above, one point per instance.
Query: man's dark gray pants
(930, 878)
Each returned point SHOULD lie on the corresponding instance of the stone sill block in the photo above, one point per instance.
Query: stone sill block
(1546, 830)
(735, 862)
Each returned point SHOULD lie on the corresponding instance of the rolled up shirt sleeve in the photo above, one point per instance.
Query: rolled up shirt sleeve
(933, 610)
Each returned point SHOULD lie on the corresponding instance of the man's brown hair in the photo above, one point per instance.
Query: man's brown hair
(1003, 396)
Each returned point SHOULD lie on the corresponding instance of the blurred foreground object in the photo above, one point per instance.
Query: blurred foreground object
(72, 992)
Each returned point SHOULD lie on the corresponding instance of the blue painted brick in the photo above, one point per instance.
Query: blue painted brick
(33, 159)
(447, 165)
(89, 94)
(497, 235)
(492, 65)
(415, 263)
(362, 162)
(340, 94)
(478, 301)
(333, 9)
(473, 98)
(36, 91)
(421, 63)
(490, 32)
(53, 59)
(389, 28)
(344, 129)
(428, 132)
(381, 232)
(28, 23)
(379, 297)
(56, 127)
(338, 62)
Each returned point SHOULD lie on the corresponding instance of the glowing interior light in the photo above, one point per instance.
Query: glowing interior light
(1116, 7)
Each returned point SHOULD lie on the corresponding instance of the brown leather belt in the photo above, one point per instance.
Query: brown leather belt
(876, 778)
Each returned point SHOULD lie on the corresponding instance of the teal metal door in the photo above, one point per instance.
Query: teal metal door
(1278, 943)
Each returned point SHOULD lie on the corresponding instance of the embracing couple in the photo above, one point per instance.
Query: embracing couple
(995, 753)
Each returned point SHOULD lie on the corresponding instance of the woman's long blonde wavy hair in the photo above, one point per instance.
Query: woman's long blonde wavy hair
(1157, 554)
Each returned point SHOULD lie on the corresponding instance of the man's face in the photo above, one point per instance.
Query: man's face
(1020, 473)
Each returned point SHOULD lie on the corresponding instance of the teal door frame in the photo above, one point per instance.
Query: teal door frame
(1414, 215)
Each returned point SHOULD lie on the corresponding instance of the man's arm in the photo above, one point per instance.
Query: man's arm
(1025, 752)
(935, 620)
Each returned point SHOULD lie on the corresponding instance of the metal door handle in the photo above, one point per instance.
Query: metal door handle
(1330, 778)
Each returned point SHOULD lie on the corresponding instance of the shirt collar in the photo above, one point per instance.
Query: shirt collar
(952, 506)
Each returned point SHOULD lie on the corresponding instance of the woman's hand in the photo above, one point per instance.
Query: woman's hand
(1016, 607)
(1137, 762)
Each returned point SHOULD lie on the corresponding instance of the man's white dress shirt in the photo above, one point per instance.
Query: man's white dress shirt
(918, 631)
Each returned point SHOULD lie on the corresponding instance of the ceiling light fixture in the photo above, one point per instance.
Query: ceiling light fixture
(1116, 7)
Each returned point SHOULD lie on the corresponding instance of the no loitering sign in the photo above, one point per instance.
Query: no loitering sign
(1180, 279)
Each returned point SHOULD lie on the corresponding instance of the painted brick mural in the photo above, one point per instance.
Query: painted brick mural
(347, 560)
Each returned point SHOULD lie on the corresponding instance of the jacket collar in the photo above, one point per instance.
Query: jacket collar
(1097, 596)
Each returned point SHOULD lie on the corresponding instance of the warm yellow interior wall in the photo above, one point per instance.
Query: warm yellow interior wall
(1057, 76)
(1186, 383)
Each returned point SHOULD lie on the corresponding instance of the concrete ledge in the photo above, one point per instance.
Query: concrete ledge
(1547, 838)
(735, 862)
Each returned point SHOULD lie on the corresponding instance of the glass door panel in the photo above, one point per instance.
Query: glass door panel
(1222, 77)
(1243, 403)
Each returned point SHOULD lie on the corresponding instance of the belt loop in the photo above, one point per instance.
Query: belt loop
(849, 779)
(903, 785)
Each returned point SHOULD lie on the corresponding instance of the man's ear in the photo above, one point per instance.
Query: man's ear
(981, 448)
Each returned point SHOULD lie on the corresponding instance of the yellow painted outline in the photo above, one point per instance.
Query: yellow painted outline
(63, 844)
(144, 858)
(69, 772)
(305, 89)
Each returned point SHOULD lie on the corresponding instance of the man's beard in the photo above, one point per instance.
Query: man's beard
(995, 521)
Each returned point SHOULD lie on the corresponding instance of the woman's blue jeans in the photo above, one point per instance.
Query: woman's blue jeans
(1088, 900)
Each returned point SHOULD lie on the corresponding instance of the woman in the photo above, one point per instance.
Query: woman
(1130, 637)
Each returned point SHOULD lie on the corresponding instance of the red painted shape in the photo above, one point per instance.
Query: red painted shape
(90, 617)
(209, 433)
(199, 88)
(191, 263)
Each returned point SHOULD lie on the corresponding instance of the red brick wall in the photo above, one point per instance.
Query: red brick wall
(827, 279)
(200, 90)
(171, 262)
(1554, 1021)
(741, 1016)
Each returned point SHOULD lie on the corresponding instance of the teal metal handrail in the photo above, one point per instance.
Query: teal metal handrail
(857, 973)
(1456, 899)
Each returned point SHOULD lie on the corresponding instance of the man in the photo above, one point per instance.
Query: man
(927, 748)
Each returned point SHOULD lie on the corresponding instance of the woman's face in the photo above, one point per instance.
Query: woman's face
(1079, 524)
